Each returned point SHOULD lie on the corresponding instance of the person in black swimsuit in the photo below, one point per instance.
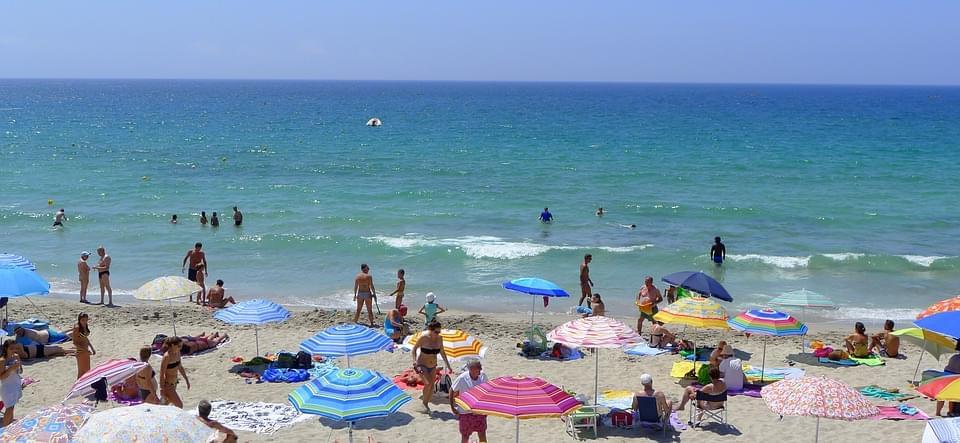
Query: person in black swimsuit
(29, 352)
(170, 368)
(430, 344)
(146, 379)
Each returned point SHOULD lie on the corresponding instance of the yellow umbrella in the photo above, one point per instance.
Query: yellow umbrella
(456, 344)
(930, 341)
(697, 312)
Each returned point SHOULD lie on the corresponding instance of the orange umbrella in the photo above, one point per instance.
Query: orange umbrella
(950, 304)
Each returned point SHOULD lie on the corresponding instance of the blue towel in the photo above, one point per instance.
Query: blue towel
(584, 310)
(644, 349)
(285, 375)
(845, 362)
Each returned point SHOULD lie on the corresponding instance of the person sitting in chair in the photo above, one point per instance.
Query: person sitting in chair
(716, 387)
(664, 406)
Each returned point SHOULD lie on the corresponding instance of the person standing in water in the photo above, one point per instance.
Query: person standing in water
(237, 217)
(546, 216)
(586, 285)
(103, 274)
(718, 252)
(401, 286)
(173, 220)
(59, 218)
(196, 257)
(214, 221)
(83, 269)
(364, 293)
(203, 218)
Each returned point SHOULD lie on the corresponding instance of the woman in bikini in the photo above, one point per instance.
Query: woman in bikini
(147, 380)
(856, 344)
(170, 367)
(81, 341)
(200, 343)
(429, 344)
(202, 296)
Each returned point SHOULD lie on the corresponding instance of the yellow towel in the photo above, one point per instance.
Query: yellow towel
(681, 368)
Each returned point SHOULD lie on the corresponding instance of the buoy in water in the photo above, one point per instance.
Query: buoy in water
(50, 202)
(374, 122)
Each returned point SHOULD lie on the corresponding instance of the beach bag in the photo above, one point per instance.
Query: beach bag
(443, 384)
(100, 389)
(157, 343)
(285, 360)
(621, 419)
(530, 349)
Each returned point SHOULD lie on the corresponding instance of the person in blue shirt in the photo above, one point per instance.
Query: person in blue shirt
(546, 216)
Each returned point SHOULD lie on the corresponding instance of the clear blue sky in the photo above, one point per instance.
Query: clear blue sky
(780, 41)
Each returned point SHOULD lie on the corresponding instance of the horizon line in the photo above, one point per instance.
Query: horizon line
(622, 82)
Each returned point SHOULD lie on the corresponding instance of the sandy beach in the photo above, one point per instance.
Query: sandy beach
(120, 332)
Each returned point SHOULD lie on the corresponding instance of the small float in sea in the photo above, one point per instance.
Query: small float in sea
(374, 122)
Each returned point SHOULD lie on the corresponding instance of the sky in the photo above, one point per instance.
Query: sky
(768, 41)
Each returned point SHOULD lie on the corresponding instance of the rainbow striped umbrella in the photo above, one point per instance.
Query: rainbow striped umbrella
(697, 312)
(456, 344)
(767, 322)
(946, 388)
(346, 340)
(950, 304)
(349, 395)
(517, 397)
(817, 397)
(595, 332)
(115, 371)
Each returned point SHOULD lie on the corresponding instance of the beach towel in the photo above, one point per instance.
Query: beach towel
(285, 375)
(320, 369)
(616, 399)
(703, 354)
(262, 418)
(123, 401)
(747, 391)
(901, 412)
(569, 354)
(846, 362)
(870, 360)
(884, 394)
(945, 430)
(680, 369)
(643, 349)
(752, 373)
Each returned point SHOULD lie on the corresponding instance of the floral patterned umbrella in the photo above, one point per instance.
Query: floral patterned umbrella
(950, 304)
(144, 423)
(55, 424)
(819, 397)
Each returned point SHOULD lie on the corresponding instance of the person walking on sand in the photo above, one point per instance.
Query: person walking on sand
(170, 367)
(237, 217)
(647, 300)
(147, 380)
(469, 423)
(11, 384)
(718, 252)
(429, 345)
(216, 296)
(364, 293)
(195, 256)
(83, 270)
(103, 273)
(586, 284)
(203, 218)
(401, 285)
(59, 218)
(81, 341)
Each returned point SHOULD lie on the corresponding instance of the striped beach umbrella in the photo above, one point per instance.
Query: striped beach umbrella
(17, 260)
(456, 344)
(115, 371)
(346, 340)
(803, 299)
(16, 281)
(819, 397)
(54, 424)
(595, 332)
(950, 304)
(946, 388)
(697, 312)
(253, 312)
(767, 322)
(349, 395)
(144, 423)
(535, 286)
(519, 398)
(165, 289)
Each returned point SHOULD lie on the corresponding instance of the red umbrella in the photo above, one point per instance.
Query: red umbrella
(115, 371)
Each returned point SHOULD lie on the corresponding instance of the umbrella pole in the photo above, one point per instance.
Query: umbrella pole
(816, 437)
(596, 376)
(350, 431)
(533, 307)
(763, 359)
(517, 420)
(917, 371)
(256, 334)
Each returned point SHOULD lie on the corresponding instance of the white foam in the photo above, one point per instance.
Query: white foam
(922, 260)
(844, 256)
(847, 313)
(72, 287)
(489, 246)
(780, 261)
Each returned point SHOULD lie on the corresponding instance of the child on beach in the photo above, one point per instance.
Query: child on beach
(431, 309)
(10, 383)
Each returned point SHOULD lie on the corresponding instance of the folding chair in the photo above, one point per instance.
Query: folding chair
(718, 415)
(647, 413)
(584, 418)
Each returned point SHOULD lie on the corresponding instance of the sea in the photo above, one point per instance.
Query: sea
(849, 191)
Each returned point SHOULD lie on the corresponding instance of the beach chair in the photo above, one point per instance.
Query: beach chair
(648, 414)
(699, 415)
(584, 418)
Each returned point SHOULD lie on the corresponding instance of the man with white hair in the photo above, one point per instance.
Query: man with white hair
(663, 404)
(469, 423)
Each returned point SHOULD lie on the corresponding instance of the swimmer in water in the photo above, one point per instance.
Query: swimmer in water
(173, 220)
(718, 252)
(600, 212)
(214, 221)
(629, 226)
(546, 216)
(59, 218)
(203, 218)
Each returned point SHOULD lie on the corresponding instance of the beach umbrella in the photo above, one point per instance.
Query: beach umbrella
(950, 304)
(519, 398)
(16, 281)
(803, 299)
(696, 312)
(535, 286)
(346, 340)
(700, 283)
(53, 424)
(17, 260)
(946, 388)
(165, 289)
(767, 322)
(144, 423)
(933, 343)
(349, 395)
(944, 323)
(456, 344)
(115, 371)
(819, 397)
(595, 332)
(253, 312)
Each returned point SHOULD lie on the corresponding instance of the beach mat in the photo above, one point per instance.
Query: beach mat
(884, 394)
(870, 360)
(644, 350)
(752, 373)
(749, 390)
(258, 417)
(618, 399)
(681, 368)
(846, 362)
(895, 413)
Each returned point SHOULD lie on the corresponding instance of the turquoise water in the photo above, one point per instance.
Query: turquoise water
(848, 191)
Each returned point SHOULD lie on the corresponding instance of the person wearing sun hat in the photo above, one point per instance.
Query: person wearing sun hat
(83, 269)
(431, 308)
(664, 406)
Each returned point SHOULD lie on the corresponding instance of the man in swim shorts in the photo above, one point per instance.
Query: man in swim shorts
(237, 217)
(59, 218)
(718, 252)
(647, 300)
(196, 257)
(364, 293)
(585, 283)
(546, 216)
(103, 273)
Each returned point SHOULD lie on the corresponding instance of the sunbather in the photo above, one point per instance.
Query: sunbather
(885, 343)
(715, 387)
(664, 405)
(597, 307)
(857, 343)
(42, 336)
(30, 352)
(661, 337)
(194, 344)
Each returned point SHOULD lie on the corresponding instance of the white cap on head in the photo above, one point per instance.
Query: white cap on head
(84, 254)
(646, 379)
(431, 297)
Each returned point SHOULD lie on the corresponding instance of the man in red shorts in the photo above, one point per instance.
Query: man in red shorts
(469, 423)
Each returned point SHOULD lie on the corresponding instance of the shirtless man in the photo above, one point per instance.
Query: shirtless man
(585, 283)
(83, 269)
(59, 218)
(885, 343)
(196, 256)
(237, 217)
(718, 252)
(647, 300)
(401, 286)
(363, 293)
(216, 296)
(103, 273)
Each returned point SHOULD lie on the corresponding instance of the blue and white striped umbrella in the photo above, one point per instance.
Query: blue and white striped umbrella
(16, 281)
(253, 312)
(17, 260)
(346, 340)
(349, 395)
